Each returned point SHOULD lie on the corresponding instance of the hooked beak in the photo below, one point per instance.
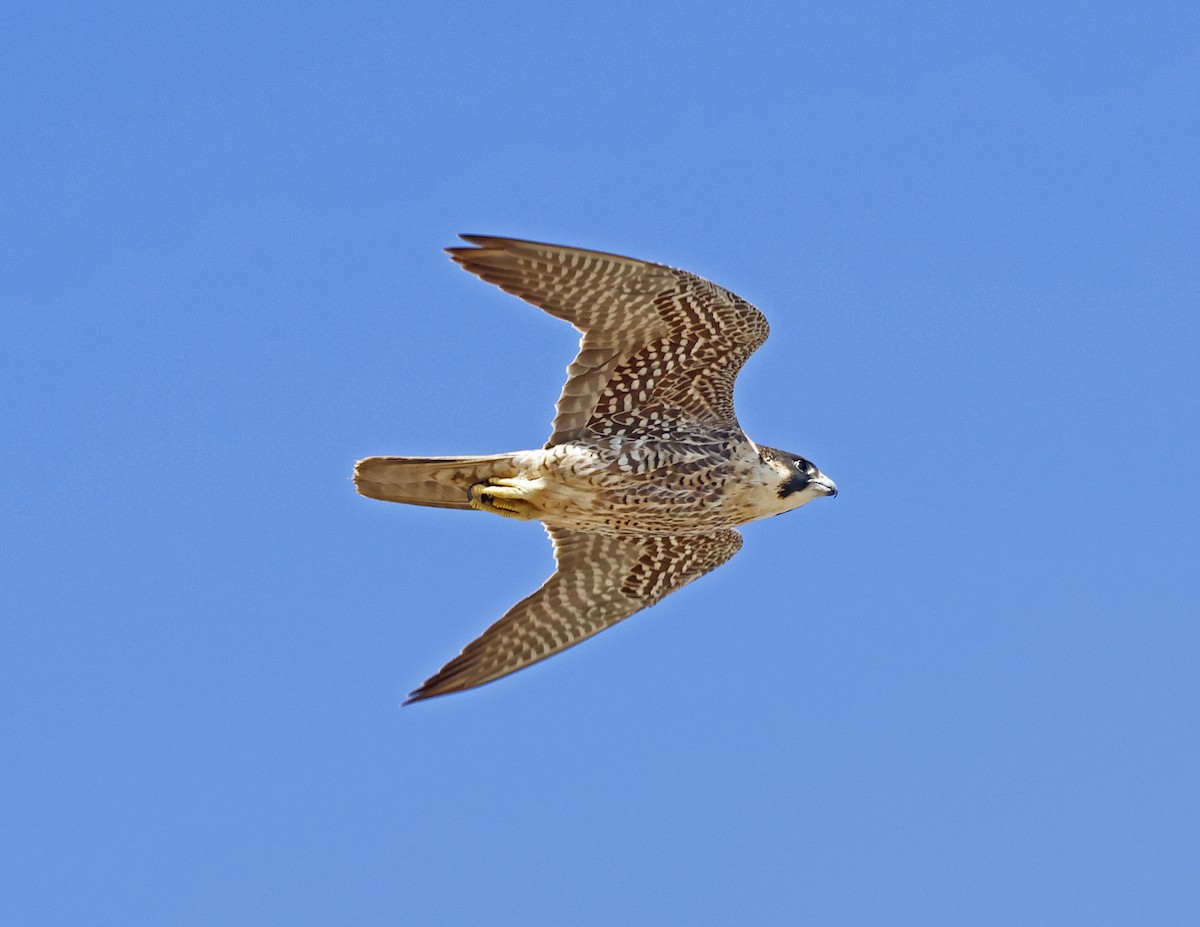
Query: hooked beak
(825, 484)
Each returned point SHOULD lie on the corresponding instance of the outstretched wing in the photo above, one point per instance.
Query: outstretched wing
(599, 581)
(660, 347)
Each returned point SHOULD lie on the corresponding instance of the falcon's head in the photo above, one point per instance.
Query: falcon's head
(799, 479)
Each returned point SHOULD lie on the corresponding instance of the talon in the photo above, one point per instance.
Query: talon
(507, 498)
(478, 498)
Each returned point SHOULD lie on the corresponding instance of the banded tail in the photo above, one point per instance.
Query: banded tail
(441, 482)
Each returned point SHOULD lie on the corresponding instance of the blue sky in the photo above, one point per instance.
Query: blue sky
(963, 692)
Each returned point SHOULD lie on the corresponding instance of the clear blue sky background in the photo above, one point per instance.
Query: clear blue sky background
(964, 692)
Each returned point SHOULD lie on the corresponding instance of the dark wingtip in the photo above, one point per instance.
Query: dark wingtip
(477, 241)
(420, 694)
(500, 243)
(443, 682)
(427, 691)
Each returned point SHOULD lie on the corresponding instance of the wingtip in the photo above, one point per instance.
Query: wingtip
(460, 254)
(451, 678)
(499, 243)
(425, 692)
(419, 694)
(443, 682)
(476, 241)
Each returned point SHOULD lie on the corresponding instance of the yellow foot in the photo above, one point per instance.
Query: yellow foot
(509, 498)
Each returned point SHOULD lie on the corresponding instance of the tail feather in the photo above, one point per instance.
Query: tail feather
(441, 482)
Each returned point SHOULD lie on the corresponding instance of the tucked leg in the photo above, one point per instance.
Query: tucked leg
(509, 498)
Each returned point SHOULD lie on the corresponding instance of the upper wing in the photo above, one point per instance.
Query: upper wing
(660, 346)
(599, 581)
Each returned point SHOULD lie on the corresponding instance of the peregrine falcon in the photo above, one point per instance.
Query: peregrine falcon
(646, 472)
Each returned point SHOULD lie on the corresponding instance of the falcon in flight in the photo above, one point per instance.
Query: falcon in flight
(646, 472)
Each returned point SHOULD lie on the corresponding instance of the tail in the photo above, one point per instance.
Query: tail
(442, 482)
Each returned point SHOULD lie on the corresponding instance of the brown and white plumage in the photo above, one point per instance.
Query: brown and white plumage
(646, 470)
(599, 580)
(672, 340)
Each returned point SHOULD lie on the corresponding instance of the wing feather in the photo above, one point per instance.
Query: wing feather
(659, 346)
(599, 581)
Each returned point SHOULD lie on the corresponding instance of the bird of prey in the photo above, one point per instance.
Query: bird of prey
(646, 472)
